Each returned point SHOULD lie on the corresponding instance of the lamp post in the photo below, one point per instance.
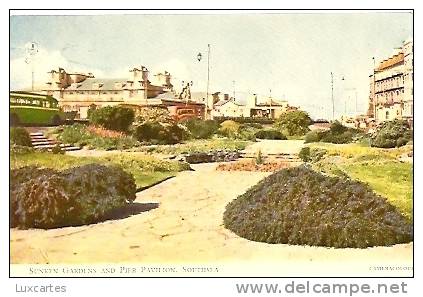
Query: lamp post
(199, 57)
(31, 50)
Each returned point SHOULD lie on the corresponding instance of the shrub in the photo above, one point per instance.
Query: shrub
(99, 189)
(293, 123)
(45, 198)
(160, 133)
(247, 133)
(75, 134)
(20, 136)
(270, 134)
(391, 134)
(229, 129)
(96, 137)
(57, 150)
(200, 129)
(304, 154)
(302, 207)
(336, 134)
(154, 114)
(175, 134)
(316, 154)
(39, 199)
(345, 137)
(113, 117)
(259, 158)
(147, 131)
(312, 136)
(20, 149)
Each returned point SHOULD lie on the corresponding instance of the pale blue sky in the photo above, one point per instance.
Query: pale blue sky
(292, 54)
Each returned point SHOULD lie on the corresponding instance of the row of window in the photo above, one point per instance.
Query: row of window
(394, 82)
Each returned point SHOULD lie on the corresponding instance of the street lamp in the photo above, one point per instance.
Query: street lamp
(199, 57)
(332, 97)
(31, 49)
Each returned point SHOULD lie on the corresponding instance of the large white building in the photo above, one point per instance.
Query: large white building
(79, 91)
(391, 86)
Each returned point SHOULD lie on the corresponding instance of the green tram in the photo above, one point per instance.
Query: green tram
(30, 109)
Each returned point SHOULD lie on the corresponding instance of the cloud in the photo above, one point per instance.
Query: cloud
(44, 61)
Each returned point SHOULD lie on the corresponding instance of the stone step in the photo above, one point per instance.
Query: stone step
(47, 141)
(38, 137)
(39, 141)
(71, 148)
(47, 146)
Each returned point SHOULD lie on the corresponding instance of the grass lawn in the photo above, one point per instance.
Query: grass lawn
(147, 170)
(198, 145)
(393, 180)
(377, 167)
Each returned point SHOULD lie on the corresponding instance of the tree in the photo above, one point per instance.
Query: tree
(293, 122)
(116, 118)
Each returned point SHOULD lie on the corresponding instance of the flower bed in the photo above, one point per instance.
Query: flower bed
(245, 165)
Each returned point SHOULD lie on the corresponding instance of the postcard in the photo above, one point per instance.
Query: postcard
(211, 144)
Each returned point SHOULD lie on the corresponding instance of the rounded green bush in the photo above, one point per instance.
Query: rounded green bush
(200, 129)
(160, 133)
(304, 154)
(19, 136)
(46, 198)
(229, 128)
(392, 134)
(116, 118)
(312, 136)
(302, 207)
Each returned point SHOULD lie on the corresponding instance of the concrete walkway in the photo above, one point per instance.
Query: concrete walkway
(180, 221)
(275, 147)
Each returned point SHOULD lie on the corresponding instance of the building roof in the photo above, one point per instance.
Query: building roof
(223, 102)
(273, 102)
(105, 84)
(167, 96)
(392, 61)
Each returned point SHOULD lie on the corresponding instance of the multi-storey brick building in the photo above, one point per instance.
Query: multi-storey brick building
(391, 86)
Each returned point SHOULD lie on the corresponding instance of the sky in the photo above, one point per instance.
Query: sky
(287, 55)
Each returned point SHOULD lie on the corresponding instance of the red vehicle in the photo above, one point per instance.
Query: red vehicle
(186, 112)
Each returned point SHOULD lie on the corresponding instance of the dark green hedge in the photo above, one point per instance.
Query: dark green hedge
(19, 136)
(157, 133)
(200, 129)
(116, 118)
(302, 207)
(46, 198)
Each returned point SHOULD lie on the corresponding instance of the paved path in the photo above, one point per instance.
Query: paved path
(186, 227)
(274, 147)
